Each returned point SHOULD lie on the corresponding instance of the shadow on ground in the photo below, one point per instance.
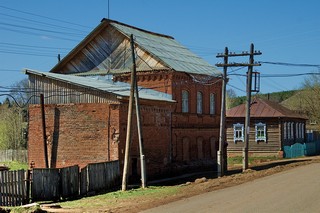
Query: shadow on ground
(213, 174)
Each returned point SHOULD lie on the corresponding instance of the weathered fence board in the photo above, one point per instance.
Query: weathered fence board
(45, 184)
(54, 184)
(14, 155)
(99, 177)
(69, 181)
(12, 188)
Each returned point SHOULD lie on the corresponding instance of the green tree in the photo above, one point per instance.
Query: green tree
(13, 122)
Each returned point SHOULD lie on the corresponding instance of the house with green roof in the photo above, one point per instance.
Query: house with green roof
(86, 103)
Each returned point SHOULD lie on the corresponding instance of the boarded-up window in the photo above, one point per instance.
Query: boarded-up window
(200, 148)
(186, 149)
(214, 147)
(185, 101)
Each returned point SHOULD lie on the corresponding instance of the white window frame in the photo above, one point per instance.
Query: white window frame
(199, 102)
(212, 104)
(258, 137)
(185, 101)
(285, 131)
(238, 128)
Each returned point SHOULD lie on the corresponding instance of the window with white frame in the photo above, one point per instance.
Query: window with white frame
(302, 130)
(261, 133)
(285, 130)
(212, 104)
(238, 132)
(291, 129)
(199, 102)
(185, 101)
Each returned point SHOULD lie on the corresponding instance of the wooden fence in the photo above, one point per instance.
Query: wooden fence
(56, 184)
(302, 149)
(13, 190)
(99, 177)
(14, 155)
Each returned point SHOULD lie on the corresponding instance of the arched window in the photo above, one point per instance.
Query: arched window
(212, 104)
(214, 146)
(185, 101)
(186, 149)
(199, 102)
(200, 148)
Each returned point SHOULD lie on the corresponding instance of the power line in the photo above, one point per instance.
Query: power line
(289, 64)
(41, 16)
(41, 30)
(42, 23)
(33, 46)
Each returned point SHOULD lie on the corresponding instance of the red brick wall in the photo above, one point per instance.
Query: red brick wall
(187, 125)
(156, 136)
(77, 134)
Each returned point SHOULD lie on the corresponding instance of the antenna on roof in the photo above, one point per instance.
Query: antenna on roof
(108, 9)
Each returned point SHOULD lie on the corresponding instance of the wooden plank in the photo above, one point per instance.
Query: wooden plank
(69, 181)
(45, 185)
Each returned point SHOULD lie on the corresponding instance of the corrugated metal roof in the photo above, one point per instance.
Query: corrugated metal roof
(264, 109)
(105, 84)
(168, 50)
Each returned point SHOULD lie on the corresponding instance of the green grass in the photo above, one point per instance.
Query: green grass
(238, 159)
(112, 198)
(15, 165)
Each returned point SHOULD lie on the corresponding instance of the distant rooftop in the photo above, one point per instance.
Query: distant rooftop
(263, 109)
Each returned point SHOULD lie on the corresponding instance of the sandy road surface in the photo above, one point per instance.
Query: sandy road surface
(295, 190)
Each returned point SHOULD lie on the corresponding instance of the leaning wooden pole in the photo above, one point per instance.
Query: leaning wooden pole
(44, 135)
(138, 113)
(125, 174)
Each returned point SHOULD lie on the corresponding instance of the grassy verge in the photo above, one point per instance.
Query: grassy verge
(112, 198)
(232, 161)
(15, 165)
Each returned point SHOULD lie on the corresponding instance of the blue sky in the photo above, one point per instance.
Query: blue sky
(34, 32)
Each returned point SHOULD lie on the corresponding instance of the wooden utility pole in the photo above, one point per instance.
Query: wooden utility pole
(245, 164)
(222, 137)
(141, 147)
(134, 93)
(250, 65)
(44, 135)
(125, 174)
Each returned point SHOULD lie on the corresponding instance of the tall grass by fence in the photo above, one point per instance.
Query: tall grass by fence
(14, 155)
(304, 149)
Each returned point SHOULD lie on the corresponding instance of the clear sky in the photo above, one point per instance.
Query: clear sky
(34, 32)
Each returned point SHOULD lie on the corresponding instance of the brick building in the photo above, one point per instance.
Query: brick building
(86, 101)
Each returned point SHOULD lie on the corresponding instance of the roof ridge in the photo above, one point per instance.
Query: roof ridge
(136, 28)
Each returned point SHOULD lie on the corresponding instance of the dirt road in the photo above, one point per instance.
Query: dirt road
(295, 190)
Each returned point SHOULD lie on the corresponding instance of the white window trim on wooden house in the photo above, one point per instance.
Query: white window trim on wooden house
(261, 132)
(238, 133)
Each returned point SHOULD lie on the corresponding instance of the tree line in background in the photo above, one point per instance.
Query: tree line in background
(13, 118)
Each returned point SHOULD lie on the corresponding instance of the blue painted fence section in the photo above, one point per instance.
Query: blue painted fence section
(305, 149)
